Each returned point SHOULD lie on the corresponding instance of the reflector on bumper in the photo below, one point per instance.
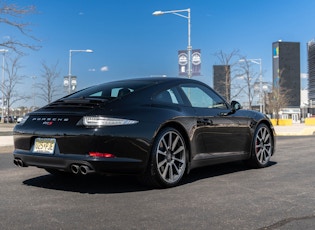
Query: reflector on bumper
(105, 155)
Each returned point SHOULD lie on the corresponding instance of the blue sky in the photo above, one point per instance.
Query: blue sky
(131, 42)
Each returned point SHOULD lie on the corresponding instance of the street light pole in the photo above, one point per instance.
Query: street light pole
(2, 113)
(189, 47)
(33, 86)
(70, 60)
(258, 61)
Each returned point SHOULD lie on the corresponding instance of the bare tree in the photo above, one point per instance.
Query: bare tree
(48, 87)
(249, 79)
(278, 98)
(13, 79)
(228, 60)
(11, 16)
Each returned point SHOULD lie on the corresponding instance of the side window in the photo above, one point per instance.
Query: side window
(170, 96)
(202, 97)
(97, 94)
(119, 92)
(114, 92)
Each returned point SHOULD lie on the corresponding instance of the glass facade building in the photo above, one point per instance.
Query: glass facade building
(311, 71)
(286, 70)
(222, 80)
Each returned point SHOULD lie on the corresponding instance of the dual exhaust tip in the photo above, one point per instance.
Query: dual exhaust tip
(18, 162)
(83, 169)
(75, 168)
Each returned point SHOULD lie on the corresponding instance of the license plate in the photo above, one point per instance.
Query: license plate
(44, 145)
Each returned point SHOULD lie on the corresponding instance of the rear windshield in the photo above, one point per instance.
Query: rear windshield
(112, 90)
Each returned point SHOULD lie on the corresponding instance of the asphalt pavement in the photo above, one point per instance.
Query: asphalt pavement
(6, 138)
(218, 197)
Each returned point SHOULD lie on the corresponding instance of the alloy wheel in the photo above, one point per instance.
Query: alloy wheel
(171, 157)
(263, 145)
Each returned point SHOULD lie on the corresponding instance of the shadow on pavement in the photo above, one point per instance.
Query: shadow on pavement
(218, 170)
(96, 184)
(92, 184)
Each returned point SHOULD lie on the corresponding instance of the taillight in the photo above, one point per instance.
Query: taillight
(102, 155)
(106, 121)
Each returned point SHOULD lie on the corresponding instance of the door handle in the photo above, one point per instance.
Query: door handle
(204, 122)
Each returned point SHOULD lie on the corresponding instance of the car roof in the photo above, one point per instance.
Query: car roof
(158, 79)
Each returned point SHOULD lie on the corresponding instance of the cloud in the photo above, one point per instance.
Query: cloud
(104, 68)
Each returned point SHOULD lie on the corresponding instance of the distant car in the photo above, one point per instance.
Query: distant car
(19, 119)
(158, 128)
(8, 119)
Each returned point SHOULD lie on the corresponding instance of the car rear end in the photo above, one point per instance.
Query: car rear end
(74, 136)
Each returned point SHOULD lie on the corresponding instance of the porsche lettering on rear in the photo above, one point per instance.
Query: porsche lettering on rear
(48, 119)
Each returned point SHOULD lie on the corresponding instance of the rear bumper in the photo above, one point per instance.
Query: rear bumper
(64, 162)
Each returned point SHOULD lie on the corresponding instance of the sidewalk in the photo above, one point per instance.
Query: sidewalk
(6, 141)
(6, 138)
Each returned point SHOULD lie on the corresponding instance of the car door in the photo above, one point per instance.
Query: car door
(172, 97)
(222, 134)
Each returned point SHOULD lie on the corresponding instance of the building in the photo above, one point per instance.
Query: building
(311, 71)
(286, 70)
(222, 80)
(286, 76)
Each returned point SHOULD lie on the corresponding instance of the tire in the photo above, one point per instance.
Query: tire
(262, 147)
(168, 159)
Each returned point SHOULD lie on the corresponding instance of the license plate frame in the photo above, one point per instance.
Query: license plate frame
(44, 145)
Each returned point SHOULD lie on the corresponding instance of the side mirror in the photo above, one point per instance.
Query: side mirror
(235, 105)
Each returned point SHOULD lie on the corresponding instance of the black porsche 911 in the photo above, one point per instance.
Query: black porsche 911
(158, 128)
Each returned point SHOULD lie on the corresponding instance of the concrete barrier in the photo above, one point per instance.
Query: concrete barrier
(282, 122)
(310, 121)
